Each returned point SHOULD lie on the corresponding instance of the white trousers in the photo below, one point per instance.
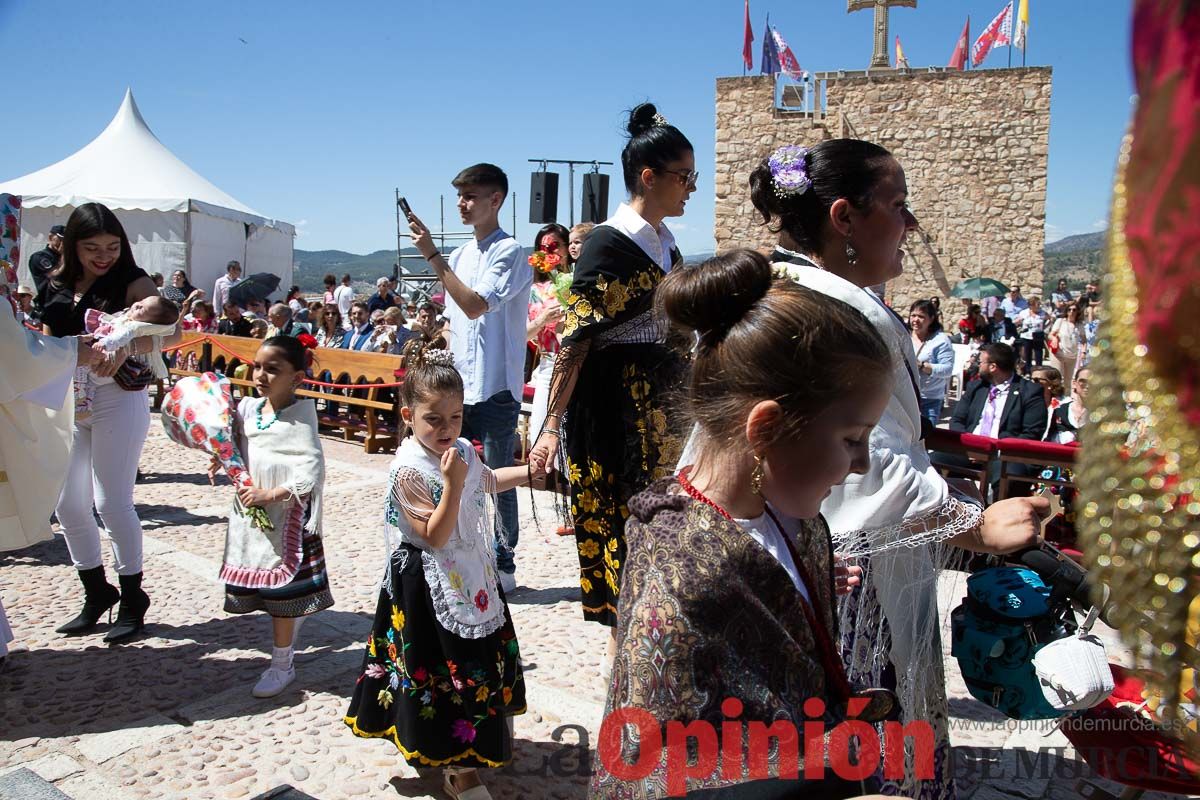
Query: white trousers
(103, 468)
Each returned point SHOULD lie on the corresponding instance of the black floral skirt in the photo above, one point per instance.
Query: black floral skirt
(441, 699)
(620, 438)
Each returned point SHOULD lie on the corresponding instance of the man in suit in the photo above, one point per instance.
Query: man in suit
(359, 335)
(1000, 405)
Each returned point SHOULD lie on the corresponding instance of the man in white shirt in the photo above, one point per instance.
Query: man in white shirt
(233, 271)
(1031, 334)
(487, 283)
(344, 296)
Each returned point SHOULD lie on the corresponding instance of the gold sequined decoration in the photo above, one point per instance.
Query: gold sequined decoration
(1139, 482)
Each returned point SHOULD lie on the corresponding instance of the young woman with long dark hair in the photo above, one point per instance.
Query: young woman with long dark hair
(98, 272)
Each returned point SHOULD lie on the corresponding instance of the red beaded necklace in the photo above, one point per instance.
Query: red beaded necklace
(696, 494)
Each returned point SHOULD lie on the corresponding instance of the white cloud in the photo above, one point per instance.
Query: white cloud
(299, 226)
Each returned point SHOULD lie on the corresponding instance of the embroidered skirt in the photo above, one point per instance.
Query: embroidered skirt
(306, 593)
(441, 699)
(618, 440)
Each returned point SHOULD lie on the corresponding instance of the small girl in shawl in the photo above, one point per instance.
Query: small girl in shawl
(441, 675)
(280, 570)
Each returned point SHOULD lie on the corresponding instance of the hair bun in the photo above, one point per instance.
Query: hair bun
(713, 297)
(642, 119)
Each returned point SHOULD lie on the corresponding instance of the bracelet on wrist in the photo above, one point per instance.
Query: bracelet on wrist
(555, 432)
(432, 255)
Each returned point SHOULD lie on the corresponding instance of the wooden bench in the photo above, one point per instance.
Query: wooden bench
(378, 420)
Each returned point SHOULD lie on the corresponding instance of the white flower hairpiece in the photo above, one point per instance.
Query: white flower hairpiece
(659, 120)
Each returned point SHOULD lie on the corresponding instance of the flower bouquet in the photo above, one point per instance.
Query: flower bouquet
(562, 287)
(545, 261)
(198, 413)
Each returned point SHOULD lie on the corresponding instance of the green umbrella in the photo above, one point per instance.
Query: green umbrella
(974, 288)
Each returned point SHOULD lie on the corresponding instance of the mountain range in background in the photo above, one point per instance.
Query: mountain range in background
(1079, 259)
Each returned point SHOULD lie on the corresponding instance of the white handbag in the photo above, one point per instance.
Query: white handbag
(1073, 672)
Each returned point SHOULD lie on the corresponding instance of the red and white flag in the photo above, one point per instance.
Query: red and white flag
(787, 59)
(997, 34)
(958, 59)
(748, 41)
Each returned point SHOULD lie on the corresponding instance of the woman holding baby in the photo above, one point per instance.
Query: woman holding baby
(98, 273)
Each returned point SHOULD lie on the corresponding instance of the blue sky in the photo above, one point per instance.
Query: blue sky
(314, 112)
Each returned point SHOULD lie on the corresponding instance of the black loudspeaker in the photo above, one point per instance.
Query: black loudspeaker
(595, 198)
(543, 197)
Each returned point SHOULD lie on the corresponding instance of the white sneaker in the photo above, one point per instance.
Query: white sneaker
(508, 581)
(274, 681)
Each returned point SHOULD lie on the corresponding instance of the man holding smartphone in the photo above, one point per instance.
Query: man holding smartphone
(487, 282)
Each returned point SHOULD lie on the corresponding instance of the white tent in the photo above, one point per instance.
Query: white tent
(175, 219)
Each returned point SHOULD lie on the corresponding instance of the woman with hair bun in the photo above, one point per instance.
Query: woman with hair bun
(607, 392)
(730, 561)
(841, 211)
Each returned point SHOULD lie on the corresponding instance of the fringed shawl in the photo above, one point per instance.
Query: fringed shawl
(285, 454)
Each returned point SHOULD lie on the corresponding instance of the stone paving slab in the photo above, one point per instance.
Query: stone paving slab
(171, 716)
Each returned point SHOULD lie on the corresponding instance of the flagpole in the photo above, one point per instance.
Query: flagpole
(1012, 10)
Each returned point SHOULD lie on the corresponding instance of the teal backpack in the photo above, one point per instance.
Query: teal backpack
(1009, 614)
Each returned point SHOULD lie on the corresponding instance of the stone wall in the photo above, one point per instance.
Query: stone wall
(973, 146)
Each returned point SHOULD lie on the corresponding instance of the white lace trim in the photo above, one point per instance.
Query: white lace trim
(944, 522)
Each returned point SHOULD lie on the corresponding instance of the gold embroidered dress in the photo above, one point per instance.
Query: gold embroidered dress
(617, 438)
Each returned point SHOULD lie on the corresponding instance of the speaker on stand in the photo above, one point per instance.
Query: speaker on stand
(595, 198)
(543, 197)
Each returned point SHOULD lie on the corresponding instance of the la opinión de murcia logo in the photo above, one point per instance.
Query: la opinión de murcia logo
(692, 750)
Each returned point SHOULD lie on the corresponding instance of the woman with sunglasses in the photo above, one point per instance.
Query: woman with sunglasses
(607, 407)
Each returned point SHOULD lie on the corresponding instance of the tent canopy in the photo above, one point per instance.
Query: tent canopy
(127, 167)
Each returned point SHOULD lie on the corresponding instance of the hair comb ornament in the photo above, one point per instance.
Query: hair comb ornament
(437, 357)
(788, 171)
(660, 121)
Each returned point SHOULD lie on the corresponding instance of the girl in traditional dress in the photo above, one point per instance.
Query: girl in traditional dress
(841, 210)
(611, 378)
(441, 676)
(729, 586)
(280, 571)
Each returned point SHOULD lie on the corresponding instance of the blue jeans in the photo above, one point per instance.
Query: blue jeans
(931, 409)
(494, 423)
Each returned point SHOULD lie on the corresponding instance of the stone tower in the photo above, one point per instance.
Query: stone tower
(973, 146)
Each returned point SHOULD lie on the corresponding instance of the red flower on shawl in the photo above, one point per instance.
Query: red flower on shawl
(481, 600)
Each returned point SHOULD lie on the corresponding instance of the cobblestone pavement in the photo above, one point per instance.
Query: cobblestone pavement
(171, 715)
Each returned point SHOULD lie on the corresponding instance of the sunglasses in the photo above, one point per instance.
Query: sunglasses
(689, 177)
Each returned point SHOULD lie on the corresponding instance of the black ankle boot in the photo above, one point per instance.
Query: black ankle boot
(131, 614)
(99, 596)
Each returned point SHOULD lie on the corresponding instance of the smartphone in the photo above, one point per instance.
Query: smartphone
(405, 208)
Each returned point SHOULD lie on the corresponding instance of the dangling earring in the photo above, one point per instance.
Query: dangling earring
(851, 253)
(756, 477)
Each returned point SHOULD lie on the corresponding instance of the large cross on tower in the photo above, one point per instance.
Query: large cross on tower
(880, 57)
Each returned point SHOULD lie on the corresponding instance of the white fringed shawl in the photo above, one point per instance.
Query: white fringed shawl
(285, 454)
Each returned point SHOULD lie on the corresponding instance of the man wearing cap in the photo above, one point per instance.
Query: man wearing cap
(233, 271)
(43, 262)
